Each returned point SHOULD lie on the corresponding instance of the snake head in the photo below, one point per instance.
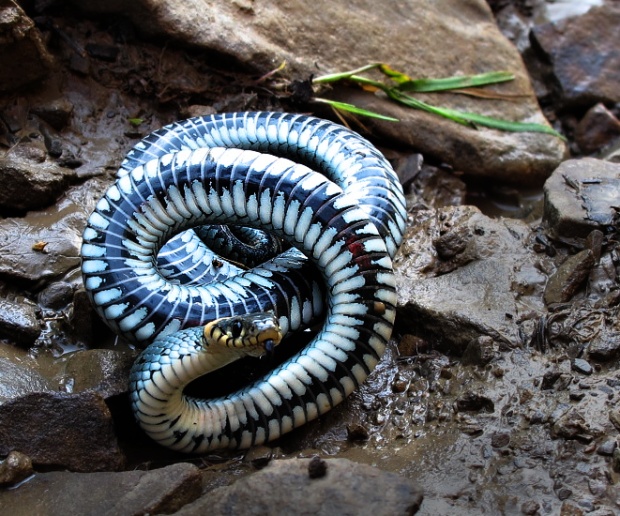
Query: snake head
(253, 335)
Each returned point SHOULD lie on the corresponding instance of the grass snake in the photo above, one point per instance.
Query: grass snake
(321, 188)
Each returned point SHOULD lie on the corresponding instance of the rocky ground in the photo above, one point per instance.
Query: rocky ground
(499, 393)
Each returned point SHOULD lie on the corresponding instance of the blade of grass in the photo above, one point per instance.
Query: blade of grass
(452, 83)
(473, 119)
(350, 108)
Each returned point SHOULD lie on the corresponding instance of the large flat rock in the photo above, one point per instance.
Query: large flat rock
(421, 38)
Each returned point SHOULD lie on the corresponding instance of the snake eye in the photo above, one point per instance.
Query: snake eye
(235, 329)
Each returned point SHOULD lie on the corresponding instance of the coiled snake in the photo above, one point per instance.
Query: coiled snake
(235, 169)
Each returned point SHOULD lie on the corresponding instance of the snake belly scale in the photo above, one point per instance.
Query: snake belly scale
(349, 236)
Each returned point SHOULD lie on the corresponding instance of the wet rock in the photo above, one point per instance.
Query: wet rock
(46, 244)
(598, 128)
(480, 351)
(500, 439)
(569, 277)
(357, 432)
(15, 468)
(607, 448)
(18, 375)
(159, 491)
(581, 366)
(327, 34)
(18, 319)
(43, 184)
(285, 486)
(586, 68)
(56, 113)
(20, 42)
(74, 431)
(56, 295)
(580, 196)
(572, 425)
(570, 509)
(482, 293)
(104, 371)
(605, 347)
(475, 402)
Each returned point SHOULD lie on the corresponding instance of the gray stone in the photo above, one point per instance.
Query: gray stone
(18, 319)
(74, 431)
(480, 292)
(582, 366)
(159, 491)
(417, 38)
(580, 196)
(586, 68)
(287, 487)
(29, 186)
(20, 42)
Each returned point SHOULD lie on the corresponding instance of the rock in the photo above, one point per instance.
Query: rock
(607, 448)
(19, 375)
(56, 112)
(572, 425)
(598, 128)
(481, 292)
(581, 366)
(586, 68)
(474, 402)
(56, 295)
(43, 184)
(326, 37)
(46, 244)
(74, 431)
(286, 486)
(605, 347)
(104, 371)
(15, 468)
(580, 196)
(158, 491)
(480, 351)
(20, 42)
(18, 319)
(569, 277)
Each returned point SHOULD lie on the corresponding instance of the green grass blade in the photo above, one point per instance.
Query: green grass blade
(453, 83)
(472, 119)
(350, 108)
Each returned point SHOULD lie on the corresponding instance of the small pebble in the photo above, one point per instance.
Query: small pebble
(581, 366)
(317, 468)
(357, 432)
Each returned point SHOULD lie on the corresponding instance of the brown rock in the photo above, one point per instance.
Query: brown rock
(15, 468)
(596, 129)
(20, 42)
(583, 51)
(159, 491)
(570, 276)
(417, 38)
(68, 430)
(286, 487)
